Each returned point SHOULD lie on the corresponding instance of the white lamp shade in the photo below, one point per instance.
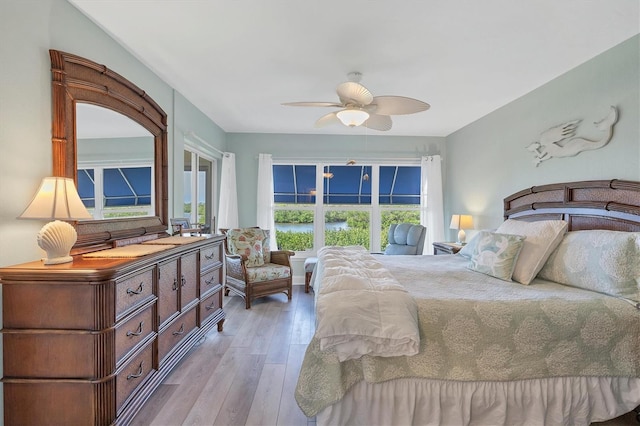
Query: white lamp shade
(352, 117)
(455, 221)
(57, 198)
(461, 222)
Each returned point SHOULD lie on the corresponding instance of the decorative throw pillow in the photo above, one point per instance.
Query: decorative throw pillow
(542, 239)
(496, 254)
(247, 242)
(603, 261)
(467, 249)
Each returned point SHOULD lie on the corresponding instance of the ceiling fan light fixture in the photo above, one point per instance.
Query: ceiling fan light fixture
(352, 117)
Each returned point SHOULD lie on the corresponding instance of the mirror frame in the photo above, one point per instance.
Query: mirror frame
(79, 80)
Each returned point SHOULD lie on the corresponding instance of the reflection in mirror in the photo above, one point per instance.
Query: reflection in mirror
(115, 161)
(77, 80)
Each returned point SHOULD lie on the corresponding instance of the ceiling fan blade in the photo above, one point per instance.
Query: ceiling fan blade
(313, 104)
(378, 122)
(351, 93)
(328, 119)
(398, 105)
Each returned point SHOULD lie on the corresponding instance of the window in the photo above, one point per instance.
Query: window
(295, 199)
(347, 205)
(399, 197)
(331, 204)
(112, 192)
(199, 188)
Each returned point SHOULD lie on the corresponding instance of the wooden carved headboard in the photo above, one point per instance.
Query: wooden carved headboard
(597, 204)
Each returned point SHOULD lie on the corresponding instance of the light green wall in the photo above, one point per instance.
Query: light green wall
(340, 149)
(487, 159)
(115, 150)
(187, 118)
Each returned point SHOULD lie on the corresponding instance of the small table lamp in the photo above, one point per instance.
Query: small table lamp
(461, 222)
(57, 198)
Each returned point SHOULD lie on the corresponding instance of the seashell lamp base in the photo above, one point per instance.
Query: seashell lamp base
(56, 238)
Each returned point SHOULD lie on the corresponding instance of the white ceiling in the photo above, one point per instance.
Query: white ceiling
(239, 60)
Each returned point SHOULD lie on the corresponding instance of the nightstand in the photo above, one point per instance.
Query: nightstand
(446, 248)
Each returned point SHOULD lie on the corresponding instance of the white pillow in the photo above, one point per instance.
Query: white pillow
(603, 261)
(542, 238)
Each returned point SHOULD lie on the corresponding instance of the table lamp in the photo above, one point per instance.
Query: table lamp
(461, 222)
(57, 199)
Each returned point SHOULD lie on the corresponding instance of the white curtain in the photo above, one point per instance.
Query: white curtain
(264, 215)
(228, 210)
(431, 201)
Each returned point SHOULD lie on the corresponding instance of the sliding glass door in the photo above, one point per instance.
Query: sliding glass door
(200, 172)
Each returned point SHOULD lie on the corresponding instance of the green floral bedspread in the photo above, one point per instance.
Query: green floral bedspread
(477, 328)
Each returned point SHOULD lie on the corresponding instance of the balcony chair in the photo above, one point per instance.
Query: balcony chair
(253, 270)
(405, 238)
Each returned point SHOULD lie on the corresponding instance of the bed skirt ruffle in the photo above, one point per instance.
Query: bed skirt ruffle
(549, 402)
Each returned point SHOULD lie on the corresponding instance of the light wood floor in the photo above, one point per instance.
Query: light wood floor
(246, 375)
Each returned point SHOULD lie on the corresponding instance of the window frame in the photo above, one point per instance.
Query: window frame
(374, 208)
(98, 210)
(195, 187)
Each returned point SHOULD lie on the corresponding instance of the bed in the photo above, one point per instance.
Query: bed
(546, 333)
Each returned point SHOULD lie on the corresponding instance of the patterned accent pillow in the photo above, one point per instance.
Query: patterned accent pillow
(603, 261)
(247, 242)
(542, 239)
(496, 254)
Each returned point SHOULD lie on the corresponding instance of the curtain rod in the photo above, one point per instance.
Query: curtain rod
(191, 134)
(344, 159)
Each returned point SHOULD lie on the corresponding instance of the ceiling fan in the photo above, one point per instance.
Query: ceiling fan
(360, 107)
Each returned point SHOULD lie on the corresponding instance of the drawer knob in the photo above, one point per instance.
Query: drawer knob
(139, 373)
(210, 281)
(137, 332)
(211, 306)
(132, 292)
(184, 281)
(175, 284)
(181, 331)
(209, 256)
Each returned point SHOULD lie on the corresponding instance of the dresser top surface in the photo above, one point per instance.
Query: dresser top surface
(83, 268)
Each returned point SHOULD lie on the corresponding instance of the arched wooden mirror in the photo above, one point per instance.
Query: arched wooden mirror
(111, 138)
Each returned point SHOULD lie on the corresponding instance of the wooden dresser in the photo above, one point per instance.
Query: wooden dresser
(88, 342)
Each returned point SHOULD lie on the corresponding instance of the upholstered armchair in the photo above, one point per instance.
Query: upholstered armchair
(253, 270)
(405, 238)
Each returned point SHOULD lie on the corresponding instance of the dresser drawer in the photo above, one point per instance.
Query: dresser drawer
(56, 354)
(168, 286)
(189, 279)
(175, 332)
(210, 256)
(210, 306)
(133, 291)
(133, 374)
(210, 280)
(133, 332)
